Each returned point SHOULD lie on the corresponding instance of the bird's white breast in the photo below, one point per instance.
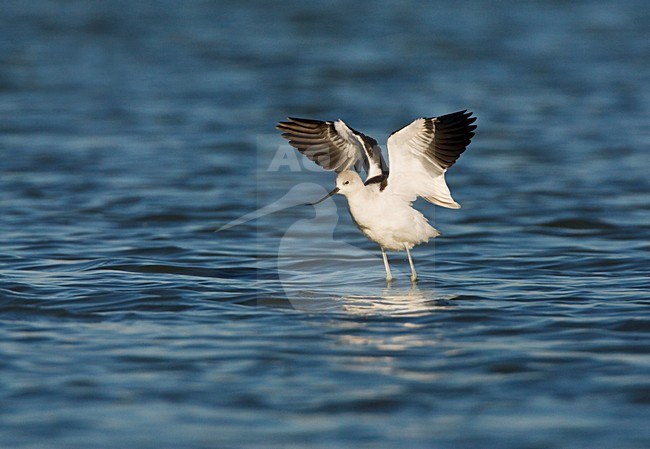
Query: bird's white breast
(389, 220)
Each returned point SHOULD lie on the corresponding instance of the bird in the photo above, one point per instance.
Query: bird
(419, 155)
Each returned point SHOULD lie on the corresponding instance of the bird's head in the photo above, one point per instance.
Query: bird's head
(348, 181)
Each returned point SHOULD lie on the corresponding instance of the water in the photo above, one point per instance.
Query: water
(131, 131)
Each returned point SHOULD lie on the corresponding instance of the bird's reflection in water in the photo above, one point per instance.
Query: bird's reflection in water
(387, 301)
(400, 311)
(395, 301)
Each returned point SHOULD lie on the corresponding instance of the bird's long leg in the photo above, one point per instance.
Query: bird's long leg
(389, 276)
(414, 275)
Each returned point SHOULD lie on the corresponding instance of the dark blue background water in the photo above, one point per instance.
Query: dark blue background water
(130, 131)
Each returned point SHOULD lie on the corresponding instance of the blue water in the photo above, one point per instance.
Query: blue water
(131, 131)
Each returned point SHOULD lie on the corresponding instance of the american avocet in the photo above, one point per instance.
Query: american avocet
(419, 155)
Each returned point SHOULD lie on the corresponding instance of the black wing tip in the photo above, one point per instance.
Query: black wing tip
(454, 133)
(285, 124)
(304, 122)
(455, 115)
(309, 121)
(447, 117)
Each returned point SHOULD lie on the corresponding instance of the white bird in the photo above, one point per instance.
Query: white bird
(382, 207)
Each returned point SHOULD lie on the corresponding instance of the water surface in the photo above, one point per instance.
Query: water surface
(131, 131)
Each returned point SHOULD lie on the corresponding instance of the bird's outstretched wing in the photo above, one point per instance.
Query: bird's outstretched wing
(420, 153)
(334, 146)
